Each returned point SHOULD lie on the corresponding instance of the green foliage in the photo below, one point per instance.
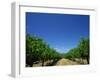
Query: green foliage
(81, 51)
(84, 48)
(73, 53)
(38, 50)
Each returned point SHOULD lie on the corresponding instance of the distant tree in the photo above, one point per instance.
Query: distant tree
(73, 53)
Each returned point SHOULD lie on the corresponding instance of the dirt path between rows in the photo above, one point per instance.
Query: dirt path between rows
(64, 61)
(60, 62)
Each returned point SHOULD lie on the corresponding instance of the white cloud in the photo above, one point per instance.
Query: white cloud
(62, 49)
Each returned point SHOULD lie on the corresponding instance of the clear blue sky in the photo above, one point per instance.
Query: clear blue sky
(60, 31)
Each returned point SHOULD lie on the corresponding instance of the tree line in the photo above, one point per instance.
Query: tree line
(80, 52)
(37, 50)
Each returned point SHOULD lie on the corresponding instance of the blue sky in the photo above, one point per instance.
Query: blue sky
(60, 31)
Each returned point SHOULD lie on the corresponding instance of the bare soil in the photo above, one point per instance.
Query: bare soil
(60, 62)
(64, 61)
